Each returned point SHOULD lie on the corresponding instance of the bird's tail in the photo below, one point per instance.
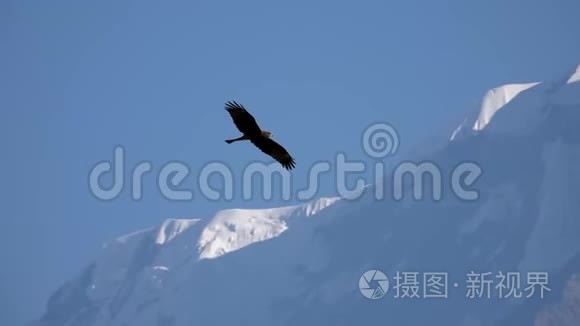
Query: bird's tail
(243, 137)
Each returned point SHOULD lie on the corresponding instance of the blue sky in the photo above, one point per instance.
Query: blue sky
(77, 79)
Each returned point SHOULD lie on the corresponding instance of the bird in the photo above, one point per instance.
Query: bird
(262, 139)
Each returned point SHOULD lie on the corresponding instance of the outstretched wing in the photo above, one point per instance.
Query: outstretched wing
(275, 150)
(243, 120)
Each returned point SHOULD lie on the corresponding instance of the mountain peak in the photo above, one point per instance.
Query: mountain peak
(575, 77)
(496, 99)
(517, 108)
(493, 101)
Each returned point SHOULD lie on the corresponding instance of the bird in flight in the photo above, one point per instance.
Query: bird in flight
(247, 125)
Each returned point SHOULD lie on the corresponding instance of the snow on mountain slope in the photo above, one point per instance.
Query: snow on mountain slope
(536, 105)
(281, 267)
(496, 99)
(233, 229)
(575, 77)
(493, 101)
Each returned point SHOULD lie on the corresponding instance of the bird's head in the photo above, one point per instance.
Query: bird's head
(266, 134)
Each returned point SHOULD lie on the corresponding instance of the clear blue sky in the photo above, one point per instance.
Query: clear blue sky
(76, 79)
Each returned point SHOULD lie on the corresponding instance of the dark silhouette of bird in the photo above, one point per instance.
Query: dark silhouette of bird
(250, 130)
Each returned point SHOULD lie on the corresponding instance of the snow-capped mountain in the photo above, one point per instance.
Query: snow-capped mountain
(134, 268)
(301, 265)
